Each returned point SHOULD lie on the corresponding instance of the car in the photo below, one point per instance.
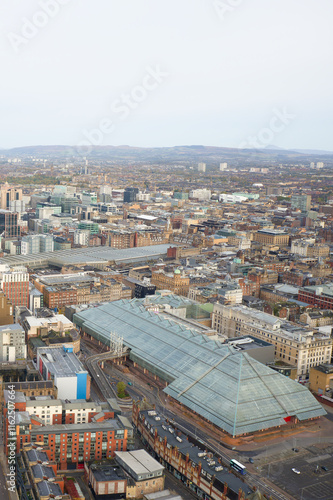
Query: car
(324, 467)
(295, 450)
(296, 471)
(251, 460)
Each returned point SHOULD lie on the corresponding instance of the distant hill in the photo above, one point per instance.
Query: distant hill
(186, 154)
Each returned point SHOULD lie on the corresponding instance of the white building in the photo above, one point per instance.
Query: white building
(232, 198)
(230, 293)
(12, 343)
(223, 166)
(81, 237)
(17, 206)
(201, 167)
(58, 323)
(300, 247)
(200, 194)
(143, 196)
(62, 365)
(37, 243)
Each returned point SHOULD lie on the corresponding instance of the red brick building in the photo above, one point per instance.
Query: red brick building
(317, 296)
(15, 286)
(69, 444)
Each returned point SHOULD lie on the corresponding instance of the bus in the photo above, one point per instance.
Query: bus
(238, 466)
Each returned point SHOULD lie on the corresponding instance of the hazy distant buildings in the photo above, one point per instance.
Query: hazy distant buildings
(200, 194)
(223, 166)
(320, 165)
(201, 167)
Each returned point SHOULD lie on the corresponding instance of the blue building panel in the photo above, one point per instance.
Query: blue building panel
(81, 385)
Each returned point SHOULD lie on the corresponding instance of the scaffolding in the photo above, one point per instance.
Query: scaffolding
(117, 344)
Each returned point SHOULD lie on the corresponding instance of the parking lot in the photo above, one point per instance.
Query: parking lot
(313, 483)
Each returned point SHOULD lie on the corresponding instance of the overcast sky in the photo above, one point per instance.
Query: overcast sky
(167, 72)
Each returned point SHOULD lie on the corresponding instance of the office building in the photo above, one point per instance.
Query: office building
(295, 345)
(38, 243)
(88, 198)
(15, 285)
(176, 281)
(9, 227)
(200, 194)
(185, 460)
(9, 194)
(271, 237)
(320, 296)
(130, 195)
(301, 202)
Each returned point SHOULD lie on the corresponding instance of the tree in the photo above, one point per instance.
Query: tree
(121, 387)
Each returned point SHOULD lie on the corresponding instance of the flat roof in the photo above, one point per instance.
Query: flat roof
(107, 472)
(60, 362)
(90, 255)
(106, 425)
(139, 461)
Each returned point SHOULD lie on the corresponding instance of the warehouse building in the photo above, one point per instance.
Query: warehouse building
(223, 385)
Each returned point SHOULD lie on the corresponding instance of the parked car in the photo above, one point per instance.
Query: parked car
(324, 467)
(251, 460)
(296, 471)
(295, 449)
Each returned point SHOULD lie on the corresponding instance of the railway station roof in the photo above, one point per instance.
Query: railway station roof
(227, 387)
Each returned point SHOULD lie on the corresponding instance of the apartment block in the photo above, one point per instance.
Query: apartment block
(12, 343)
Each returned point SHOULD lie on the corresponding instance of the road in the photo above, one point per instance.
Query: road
(108, 376)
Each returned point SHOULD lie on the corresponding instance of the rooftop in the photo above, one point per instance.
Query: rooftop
(218, 382)
(107, 472)
(139, 461)
(91, 255)
(59, 362)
